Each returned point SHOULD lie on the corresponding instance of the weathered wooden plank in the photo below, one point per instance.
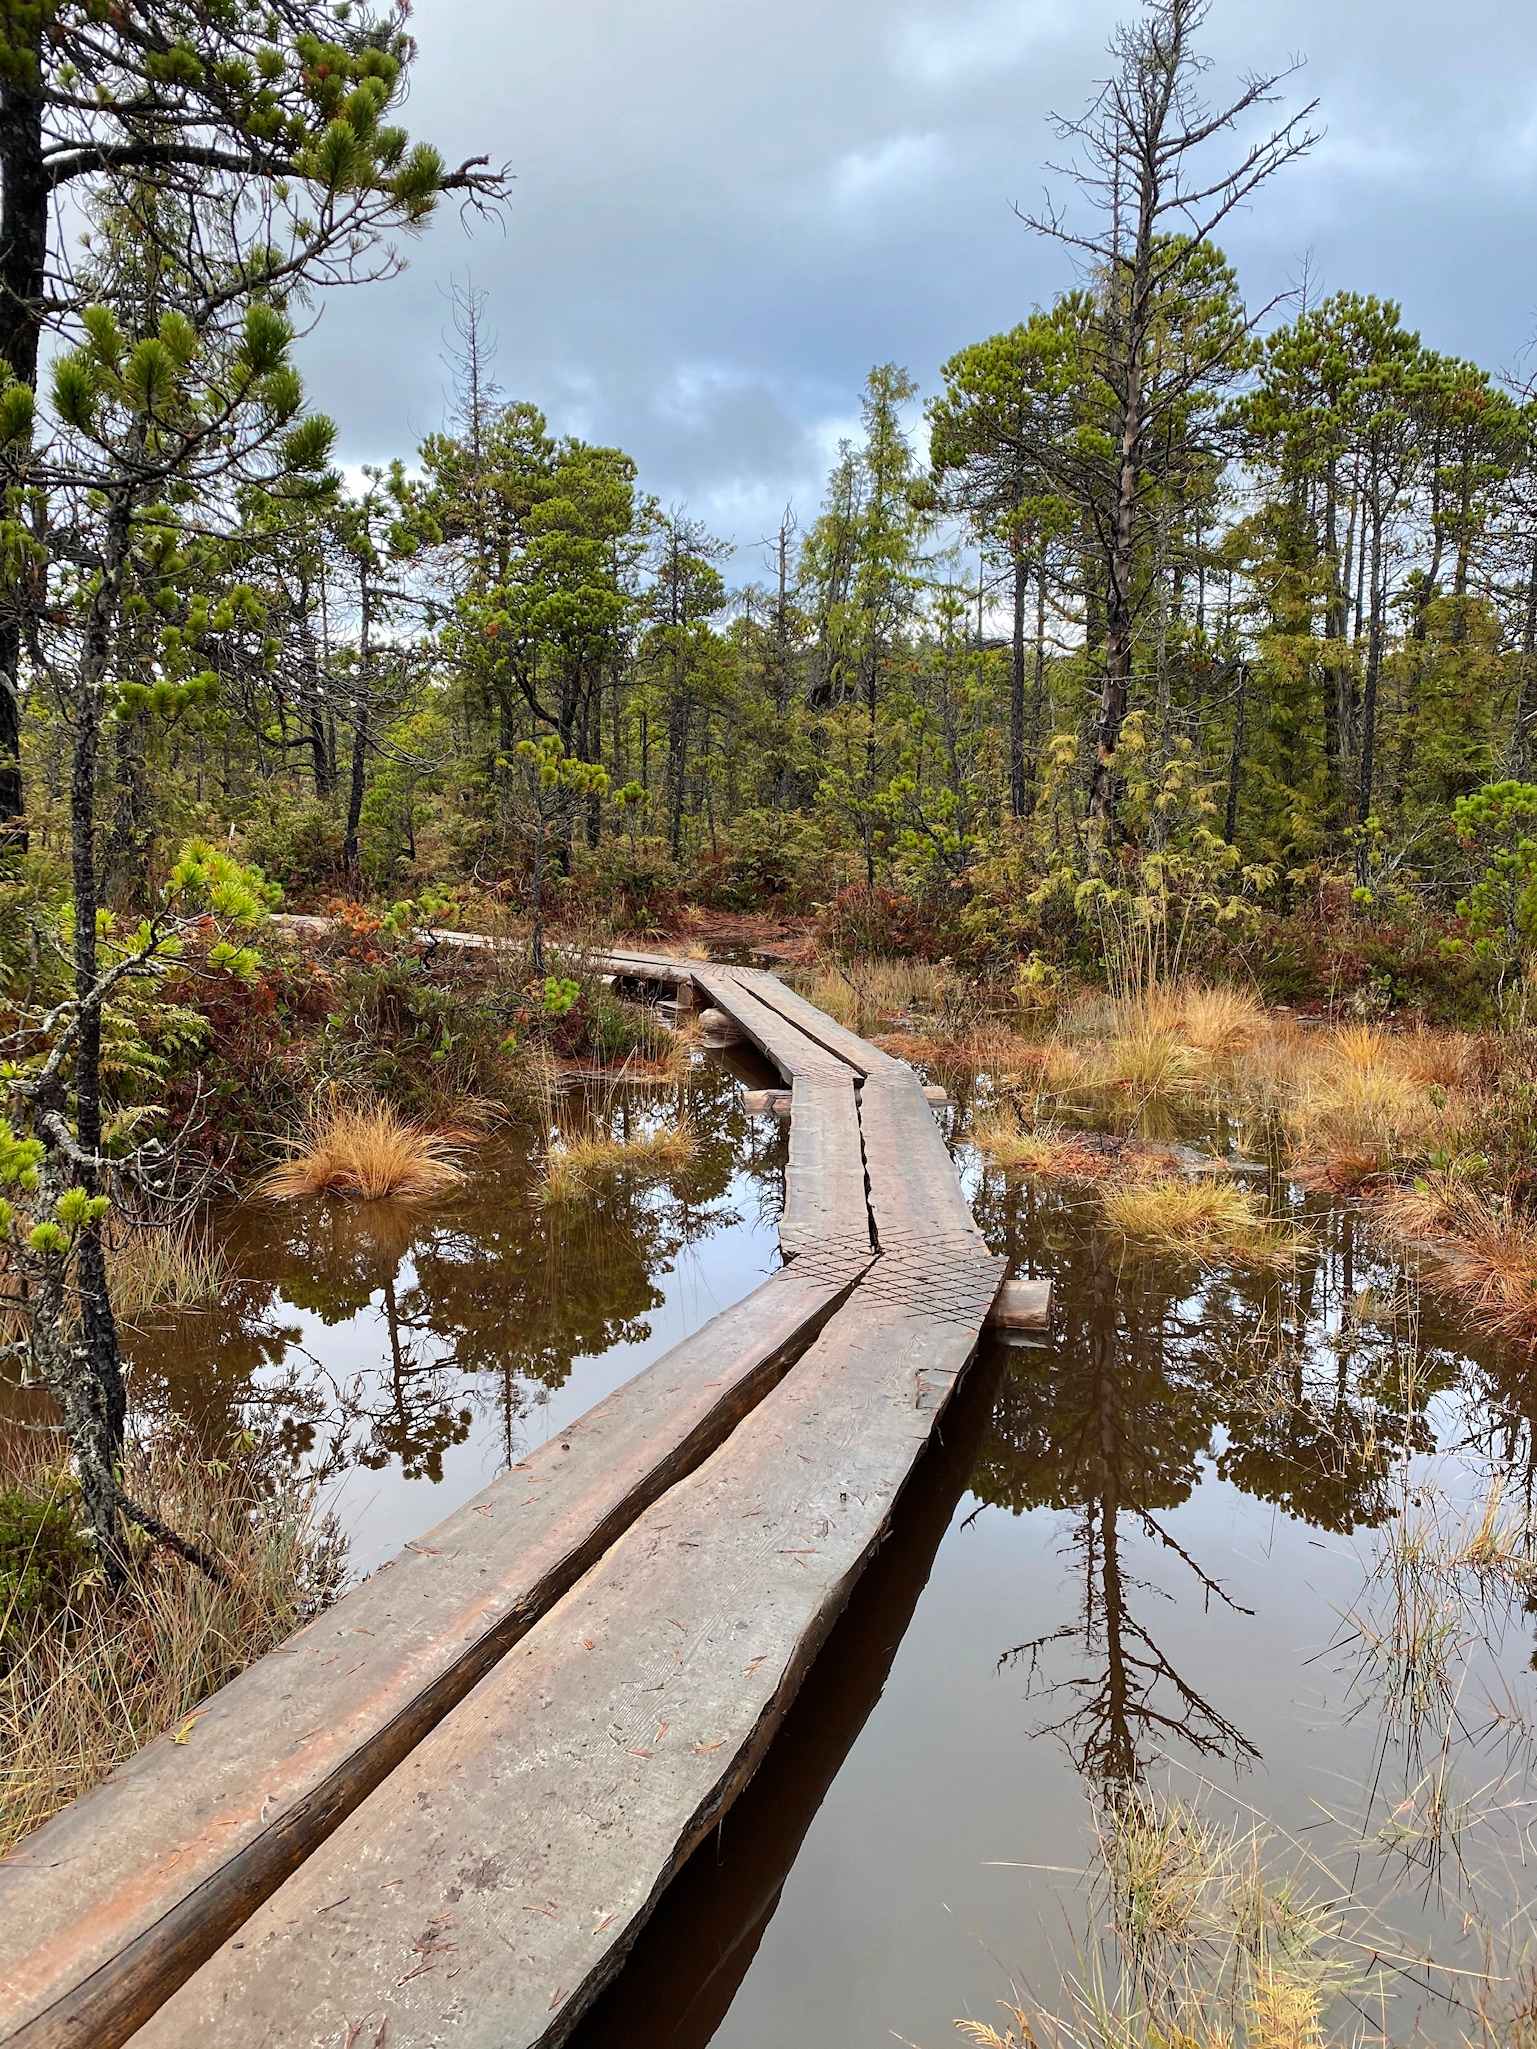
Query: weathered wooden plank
(541, 1768)
(826, 1204)
(915, 1192)
(678, 1983)
(110, 1906)
(486, 1891)
(784, 1045)
(823, 1030)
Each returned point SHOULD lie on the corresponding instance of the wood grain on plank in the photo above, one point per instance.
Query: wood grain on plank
(113, 1902)
(487, 1890)
(823, 1030)
(825, 1197)
(783, 1044)
(914, 1189)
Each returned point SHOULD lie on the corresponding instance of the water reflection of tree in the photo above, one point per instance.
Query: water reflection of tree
(1156, 1372)
(489, 1302)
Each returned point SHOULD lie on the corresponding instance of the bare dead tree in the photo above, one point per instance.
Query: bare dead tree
(1141, 156)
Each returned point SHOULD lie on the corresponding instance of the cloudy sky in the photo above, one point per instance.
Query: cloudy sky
(727, 210)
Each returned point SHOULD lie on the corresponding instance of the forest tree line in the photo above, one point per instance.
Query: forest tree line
(503, 641)
(1156, 571)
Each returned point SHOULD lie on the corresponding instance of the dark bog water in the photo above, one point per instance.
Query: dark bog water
(1214, 1538)
(406, 1355)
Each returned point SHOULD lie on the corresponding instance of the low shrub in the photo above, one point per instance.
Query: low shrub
(636, 883)
(45, 1555)
(297, 843)
(881, 922)
(768, 859)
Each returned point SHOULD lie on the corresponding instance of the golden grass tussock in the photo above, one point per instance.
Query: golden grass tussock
(1484, 1246)
(578, 1165)
(1042, 1152)
(1218, 1021)
(1147, 1063)
(1199, 1943)
(86, 1683)
(990, 1050)
(365, 1150)
(867, 994)
(1210, 1220)
(1359, 1104)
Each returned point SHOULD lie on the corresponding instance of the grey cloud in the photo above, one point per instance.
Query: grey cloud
(725, 214)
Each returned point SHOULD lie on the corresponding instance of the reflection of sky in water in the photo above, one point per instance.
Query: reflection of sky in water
(406, 1355)
(1181, 1547)
(381, 1509)
(1165, 1515)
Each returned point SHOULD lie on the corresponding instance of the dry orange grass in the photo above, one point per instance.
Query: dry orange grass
(1044, 1153)
(1220, 1022)
(580, 1164)
(1210, 1220)
(1486, 1249)
(365, 1150)
(1361, 1102)
(1146, 1062)
(990, 1048)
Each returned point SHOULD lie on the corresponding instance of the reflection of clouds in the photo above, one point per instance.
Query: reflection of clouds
(1314, 1391)
(372, 1335)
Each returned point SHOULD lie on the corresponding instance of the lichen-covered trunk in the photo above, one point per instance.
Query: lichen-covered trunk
(78, 1359)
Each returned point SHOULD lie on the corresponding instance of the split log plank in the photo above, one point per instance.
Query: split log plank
(784, 1045)
(915, 1192)
(911, 1329)
(488, 1889)
(823, 1030)
(826, 1202)
(115, 1901)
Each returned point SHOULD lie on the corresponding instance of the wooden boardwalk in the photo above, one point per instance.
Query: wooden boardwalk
(445, 1809)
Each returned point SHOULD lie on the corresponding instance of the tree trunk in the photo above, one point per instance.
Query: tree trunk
(351, 844)
(1120, 609)
(1369, 699)
(1018, 801)
(24, 215)
(1526, 689)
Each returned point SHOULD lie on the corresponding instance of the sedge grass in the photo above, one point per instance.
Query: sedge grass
(1208, 1220)
(365, 1150)
(82, 1689)
(869, 993)
(578, 1165)
(1361, 1101)
(1484, 1247)
(1043, 1153)
(1198, 1942)
(155, 1270)
(1220, 1021)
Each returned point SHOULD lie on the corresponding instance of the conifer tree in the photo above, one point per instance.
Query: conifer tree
(275, 120)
